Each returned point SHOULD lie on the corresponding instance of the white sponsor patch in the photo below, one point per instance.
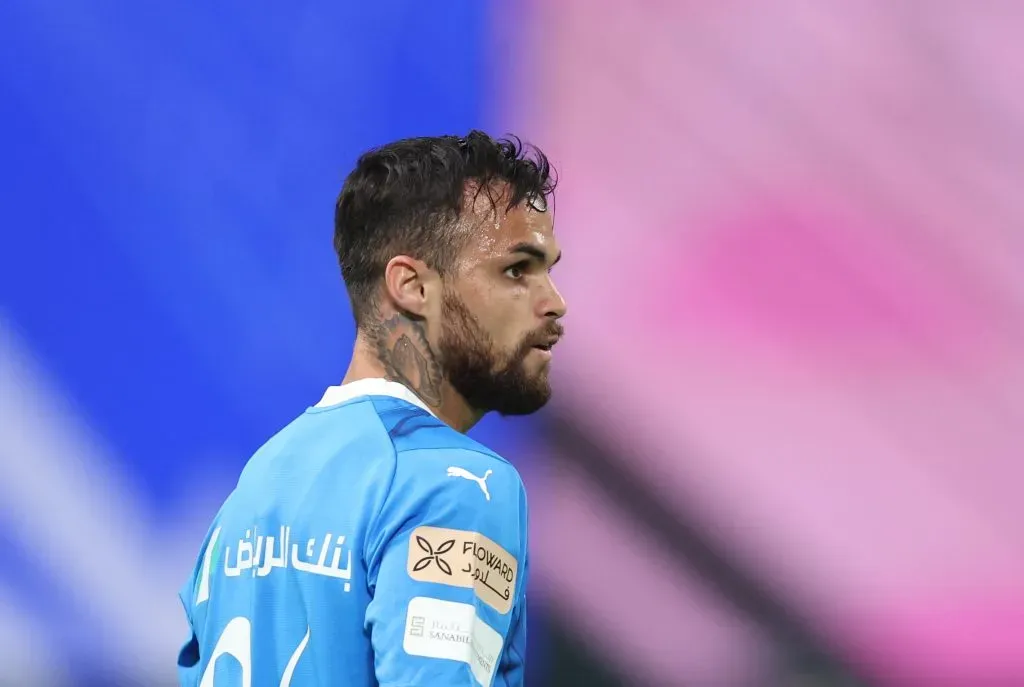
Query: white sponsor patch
(452, 630)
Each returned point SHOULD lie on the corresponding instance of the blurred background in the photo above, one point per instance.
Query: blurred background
(787, 442)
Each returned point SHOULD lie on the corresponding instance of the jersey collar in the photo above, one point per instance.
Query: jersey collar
(370, 387)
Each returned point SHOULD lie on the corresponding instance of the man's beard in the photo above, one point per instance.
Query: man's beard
(488, 379)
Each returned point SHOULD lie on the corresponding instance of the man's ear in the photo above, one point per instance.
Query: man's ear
(406, 283)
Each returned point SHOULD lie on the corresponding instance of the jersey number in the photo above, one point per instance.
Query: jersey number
(236, 641)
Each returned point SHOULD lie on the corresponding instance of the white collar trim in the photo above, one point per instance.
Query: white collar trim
(370, 387)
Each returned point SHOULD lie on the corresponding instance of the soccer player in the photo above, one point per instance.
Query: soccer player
(370, 542)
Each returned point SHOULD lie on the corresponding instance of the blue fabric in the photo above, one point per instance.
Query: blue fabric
(365, 544)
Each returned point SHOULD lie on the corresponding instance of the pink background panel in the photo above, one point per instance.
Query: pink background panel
(794, 270)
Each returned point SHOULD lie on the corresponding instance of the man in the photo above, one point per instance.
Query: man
(371, 542)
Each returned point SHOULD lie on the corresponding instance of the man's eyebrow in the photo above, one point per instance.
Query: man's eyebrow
(534, 251)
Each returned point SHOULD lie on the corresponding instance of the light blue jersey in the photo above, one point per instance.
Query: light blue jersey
(367, 543)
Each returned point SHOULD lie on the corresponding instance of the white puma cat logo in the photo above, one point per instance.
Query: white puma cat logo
(466, 474)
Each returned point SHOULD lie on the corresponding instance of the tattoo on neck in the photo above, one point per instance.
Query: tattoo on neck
(403, 348)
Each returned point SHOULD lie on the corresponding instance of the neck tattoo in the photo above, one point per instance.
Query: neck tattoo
(407, 357)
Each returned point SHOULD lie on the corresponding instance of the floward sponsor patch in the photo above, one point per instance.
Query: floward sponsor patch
(462, 558)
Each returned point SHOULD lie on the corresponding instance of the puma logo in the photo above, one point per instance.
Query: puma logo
(466, 474)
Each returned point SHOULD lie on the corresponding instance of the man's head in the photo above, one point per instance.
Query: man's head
(454, 237)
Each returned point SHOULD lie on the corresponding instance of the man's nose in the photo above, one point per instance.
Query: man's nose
(554, 305)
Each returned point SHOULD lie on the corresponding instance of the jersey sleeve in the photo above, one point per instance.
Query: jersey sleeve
(513, 663)
(446, 570)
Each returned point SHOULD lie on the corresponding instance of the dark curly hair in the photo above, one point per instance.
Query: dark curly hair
(407, 198)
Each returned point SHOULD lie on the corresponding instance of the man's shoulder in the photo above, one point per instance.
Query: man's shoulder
(436, 442)
(415, 431)
(393, 436)
(391, 423)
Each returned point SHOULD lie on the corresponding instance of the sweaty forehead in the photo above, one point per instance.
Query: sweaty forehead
(494, 232)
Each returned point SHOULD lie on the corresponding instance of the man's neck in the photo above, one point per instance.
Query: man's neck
(397, 349)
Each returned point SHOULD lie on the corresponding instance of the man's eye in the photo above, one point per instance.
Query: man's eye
(516, 271)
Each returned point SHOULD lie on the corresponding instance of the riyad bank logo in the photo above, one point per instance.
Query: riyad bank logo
(433, 555)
